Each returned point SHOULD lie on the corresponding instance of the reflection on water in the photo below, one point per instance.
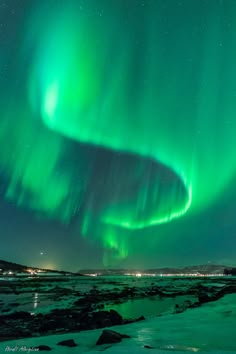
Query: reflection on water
(33, 303)
(38, 303)
(147, 307)
(35, 300)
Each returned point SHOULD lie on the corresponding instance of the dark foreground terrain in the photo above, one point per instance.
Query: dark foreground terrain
(34, 306)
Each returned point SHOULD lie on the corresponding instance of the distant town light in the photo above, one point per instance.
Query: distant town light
(31, 271)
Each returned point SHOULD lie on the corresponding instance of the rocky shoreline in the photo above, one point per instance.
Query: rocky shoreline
(87, 310)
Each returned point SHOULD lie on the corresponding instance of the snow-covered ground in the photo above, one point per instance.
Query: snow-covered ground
(210, 328)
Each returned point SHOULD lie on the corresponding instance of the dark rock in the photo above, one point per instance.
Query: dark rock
(109, 336)
(39, 315)
(106, 318)
(6, 310)
(55, 323)
(148, 347)
(100, 306)
(43, 348)
(68, 343)
(18, 315)
(60, 312)
(206, 297)
(141, 318)
(101, 319)
(46, 326)
(179, 308)
(115, 317)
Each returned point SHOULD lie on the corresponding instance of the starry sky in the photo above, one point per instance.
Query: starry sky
(117, 132)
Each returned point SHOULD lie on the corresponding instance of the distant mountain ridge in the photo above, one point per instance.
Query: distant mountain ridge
(6, 266)
(194, 269)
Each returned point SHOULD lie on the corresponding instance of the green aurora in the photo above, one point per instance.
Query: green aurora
(124, 114)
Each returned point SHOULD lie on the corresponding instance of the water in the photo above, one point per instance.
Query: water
(33, 303)
(42, 295)
(149, 307)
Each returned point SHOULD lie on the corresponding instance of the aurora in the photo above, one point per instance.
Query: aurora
(112, 130)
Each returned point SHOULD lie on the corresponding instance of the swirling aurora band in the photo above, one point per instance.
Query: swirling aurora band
(114, 77)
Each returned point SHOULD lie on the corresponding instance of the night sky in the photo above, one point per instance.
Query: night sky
(117, 132)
